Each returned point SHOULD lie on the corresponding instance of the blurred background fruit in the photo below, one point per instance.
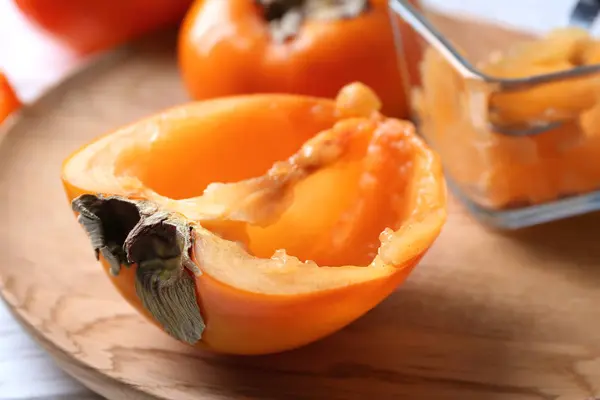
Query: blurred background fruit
(8, 99)
(92, 25)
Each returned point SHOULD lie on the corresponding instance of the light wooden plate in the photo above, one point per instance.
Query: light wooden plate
(485, 315)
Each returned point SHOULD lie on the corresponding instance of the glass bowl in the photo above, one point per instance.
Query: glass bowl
(514, 114)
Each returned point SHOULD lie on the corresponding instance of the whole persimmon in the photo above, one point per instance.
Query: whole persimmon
(259, 223)
(310, 47)
(92, 25)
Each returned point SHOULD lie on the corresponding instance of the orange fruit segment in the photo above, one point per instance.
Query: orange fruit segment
(256, 224)
(498, 171)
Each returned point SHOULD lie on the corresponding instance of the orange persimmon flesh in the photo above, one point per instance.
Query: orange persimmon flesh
(560, 50)
(500, 171)
(302, 182)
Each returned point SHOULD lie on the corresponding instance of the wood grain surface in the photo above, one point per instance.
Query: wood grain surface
(487, 315)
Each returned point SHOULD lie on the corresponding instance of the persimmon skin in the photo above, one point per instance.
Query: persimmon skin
(92, 25)
(9, 102)
(245, 323)
(225, 48)
(238, 321)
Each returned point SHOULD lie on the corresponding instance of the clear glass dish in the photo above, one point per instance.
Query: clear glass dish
(513, 113)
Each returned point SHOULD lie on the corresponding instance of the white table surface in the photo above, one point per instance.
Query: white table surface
(33, 62)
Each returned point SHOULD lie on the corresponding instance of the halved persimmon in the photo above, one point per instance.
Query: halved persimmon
(212, 218)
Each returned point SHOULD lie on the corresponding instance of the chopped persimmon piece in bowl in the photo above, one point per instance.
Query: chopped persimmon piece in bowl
(466, 121)
(259, 223)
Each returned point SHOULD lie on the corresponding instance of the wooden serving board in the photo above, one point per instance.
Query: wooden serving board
(486, 315)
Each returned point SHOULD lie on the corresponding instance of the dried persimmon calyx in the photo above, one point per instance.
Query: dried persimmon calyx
(159, 242)
(286, 17)
(107, 221)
